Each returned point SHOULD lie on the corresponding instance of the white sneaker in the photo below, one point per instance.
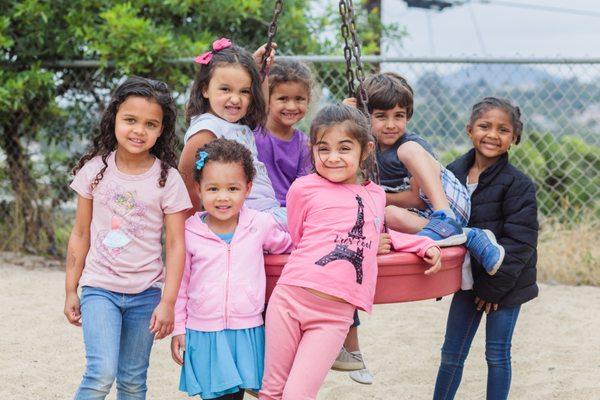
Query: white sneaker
(347, 361)
(362, 376)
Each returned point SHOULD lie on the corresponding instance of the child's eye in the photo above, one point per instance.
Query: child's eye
(151, 125)
(300, 98)
(212, 189)
(246, 91)
(345, 149)
(233, 189)
(322, 149)
(129, 120)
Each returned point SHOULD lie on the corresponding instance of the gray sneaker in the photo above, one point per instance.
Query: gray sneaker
(362, 376)
(347, 361)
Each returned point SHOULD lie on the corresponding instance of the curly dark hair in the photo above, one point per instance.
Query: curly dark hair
(284, 71)
(233, 55)
(386, 91)
(104, 141)
(226, 151)
(513, 112)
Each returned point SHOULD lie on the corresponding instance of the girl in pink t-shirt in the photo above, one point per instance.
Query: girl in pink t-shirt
(335, 222)
(128, 188)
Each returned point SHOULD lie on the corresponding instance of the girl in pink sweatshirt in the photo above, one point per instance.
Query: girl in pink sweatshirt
(218, 313)
(335, 222)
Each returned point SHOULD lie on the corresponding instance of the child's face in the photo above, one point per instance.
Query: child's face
(138, 124)
(288, 103)
(388, 125)
(337, 154)
(223, 190)
(229, 92)
(492, 133)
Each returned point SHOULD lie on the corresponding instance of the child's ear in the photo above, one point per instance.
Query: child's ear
(248, 188)
(368, 150)
(469, 129)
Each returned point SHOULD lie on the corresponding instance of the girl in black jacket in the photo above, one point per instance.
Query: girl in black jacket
(503, 201)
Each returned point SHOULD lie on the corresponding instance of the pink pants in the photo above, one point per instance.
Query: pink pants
(304, 334)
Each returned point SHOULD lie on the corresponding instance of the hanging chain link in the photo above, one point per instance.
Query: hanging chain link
(270, 36)
(348, 29)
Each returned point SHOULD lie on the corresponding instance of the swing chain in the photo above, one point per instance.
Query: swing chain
(270, 36)
(348, 29)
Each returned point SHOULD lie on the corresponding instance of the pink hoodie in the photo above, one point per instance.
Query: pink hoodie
(223, 285)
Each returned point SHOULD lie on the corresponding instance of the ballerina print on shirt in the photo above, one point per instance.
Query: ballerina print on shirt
(126, 223)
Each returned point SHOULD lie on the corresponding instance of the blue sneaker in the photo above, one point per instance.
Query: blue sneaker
(444, 231)
(482, 245)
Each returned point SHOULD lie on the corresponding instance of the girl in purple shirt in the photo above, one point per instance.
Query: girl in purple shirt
(282, 148)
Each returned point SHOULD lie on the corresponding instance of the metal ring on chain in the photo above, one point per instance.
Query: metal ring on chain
(270, 36)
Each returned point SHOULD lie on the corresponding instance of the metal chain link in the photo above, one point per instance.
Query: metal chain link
(270, 36)
(348, 29)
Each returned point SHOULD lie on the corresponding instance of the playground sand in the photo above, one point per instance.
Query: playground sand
(556, 347)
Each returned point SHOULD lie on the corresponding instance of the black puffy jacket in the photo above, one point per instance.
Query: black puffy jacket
(505, 203)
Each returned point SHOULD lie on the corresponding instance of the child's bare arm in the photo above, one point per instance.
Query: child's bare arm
(79, 244)
(258, 55)
(162, 320)
(187, 166)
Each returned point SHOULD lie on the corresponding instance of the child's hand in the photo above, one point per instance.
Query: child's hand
(350, 101)
(72, 310)
(488, 307)
(433, 258)
(385, 244)
(177, 348)
(161, 322)
(258, 54)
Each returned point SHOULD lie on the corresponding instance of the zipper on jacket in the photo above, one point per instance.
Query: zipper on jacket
(227, 285)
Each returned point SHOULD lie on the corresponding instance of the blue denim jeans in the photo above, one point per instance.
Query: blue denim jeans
(463, 321)
(117, 342)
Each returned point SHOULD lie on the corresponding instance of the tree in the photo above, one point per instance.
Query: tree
(48, 105)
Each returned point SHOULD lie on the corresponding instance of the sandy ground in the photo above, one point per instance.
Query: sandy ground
(556, 348)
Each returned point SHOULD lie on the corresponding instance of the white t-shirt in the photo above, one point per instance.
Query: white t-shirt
(262, 196)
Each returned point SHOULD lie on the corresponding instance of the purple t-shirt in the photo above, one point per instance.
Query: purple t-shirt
(285, 160)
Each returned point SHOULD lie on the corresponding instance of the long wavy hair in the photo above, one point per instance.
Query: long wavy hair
(237, 56)
(104, 141)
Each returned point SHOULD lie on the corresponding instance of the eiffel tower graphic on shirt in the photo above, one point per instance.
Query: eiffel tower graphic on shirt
(342, 252)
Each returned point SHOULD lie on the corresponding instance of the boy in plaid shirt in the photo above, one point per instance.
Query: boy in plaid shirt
(422, 197)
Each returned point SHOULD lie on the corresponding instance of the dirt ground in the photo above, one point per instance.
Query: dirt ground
(556, 346)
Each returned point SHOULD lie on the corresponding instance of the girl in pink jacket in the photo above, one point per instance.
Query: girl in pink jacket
(335, 222)
(218, 313)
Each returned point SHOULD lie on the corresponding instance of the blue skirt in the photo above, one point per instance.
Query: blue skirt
(223, 362)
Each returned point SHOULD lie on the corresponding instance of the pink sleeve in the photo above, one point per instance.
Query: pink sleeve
(277, 239)
(411, 243)
(182, 298)
(83, 179)
(176, 196)
(296, 211)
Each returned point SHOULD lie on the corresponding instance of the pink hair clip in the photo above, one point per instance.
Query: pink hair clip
(217, 45)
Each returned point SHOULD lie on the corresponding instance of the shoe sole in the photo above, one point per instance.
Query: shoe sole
(347, 367)
(454, 240)
(492, 239)
(252, 393)
(359, 381)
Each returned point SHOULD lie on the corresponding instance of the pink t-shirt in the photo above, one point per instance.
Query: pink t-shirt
(335, 230)
(127, 221)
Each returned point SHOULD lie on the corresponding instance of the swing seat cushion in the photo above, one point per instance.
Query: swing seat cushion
(400, 277)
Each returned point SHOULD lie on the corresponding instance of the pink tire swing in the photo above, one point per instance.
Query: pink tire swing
(400, 276)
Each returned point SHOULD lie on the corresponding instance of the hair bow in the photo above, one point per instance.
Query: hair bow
(217, 45)
(202, 156)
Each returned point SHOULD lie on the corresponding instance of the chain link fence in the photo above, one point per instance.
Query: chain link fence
(560, 149)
